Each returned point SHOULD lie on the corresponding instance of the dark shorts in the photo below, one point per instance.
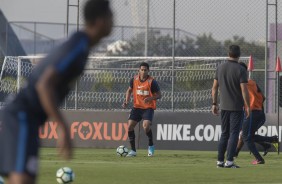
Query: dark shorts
(19, 143)
(139, 114)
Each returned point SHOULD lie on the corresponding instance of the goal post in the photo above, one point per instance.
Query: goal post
(106, 79)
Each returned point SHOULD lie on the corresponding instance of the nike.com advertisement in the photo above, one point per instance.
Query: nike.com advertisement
(179, 131)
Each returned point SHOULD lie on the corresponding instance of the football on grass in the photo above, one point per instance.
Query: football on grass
(122, 151)
(65, 175)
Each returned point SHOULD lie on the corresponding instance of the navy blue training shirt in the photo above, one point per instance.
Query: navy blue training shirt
(69, 61)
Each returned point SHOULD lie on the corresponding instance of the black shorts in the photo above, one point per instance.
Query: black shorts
(139, 114)
(19, 143)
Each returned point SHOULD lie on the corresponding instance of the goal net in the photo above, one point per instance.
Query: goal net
(185, 82)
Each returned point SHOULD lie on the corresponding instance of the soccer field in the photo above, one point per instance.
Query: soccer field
(102, 166)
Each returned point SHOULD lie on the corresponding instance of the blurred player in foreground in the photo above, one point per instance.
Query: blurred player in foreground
(253, 123)
(145, 91)
(39, 100)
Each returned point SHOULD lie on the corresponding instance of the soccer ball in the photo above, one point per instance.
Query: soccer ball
(1, 180)
(65, 175)
(122, 151)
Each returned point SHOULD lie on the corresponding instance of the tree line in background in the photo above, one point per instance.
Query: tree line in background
(202, 45)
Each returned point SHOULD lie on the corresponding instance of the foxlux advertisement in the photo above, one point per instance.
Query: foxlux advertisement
(171, 130)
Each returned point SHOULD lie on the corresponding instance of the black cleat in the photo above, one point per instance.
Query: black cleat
(275, 139)
(219, 164)
(266, 149)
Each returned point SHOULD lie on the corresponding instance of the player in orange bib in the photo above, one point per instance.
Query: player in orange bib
(253, 123)
(146, 91)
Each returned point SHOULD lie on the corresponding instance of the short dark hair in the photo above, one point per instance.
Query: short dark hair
(96, 8)
(144, 64)
(234, 51)
(243, 65)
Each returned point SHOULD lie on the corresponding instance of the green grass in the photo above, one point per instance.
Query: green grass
(102, 166)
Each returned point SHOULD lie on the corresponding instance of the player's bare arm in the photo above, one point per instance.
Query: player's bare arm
(156, 96)
(214, 97)
(127, 97)
(46, 91)
(245, 94)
